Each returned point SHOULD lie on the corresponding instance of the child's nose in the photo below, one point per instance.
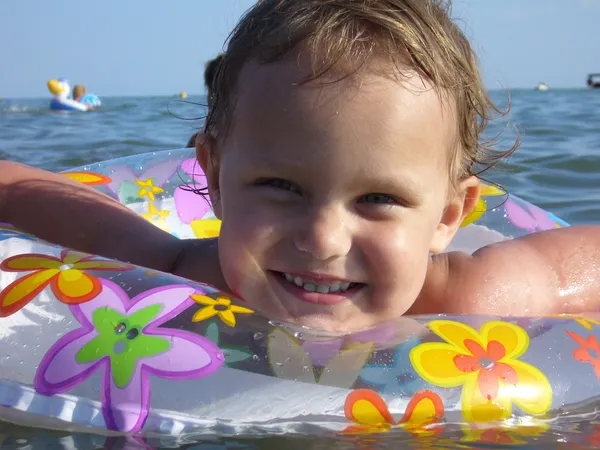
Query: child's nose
(324, 233)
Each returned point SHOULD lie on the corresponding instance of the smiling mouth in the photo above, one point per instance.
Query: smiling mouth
(319, 286)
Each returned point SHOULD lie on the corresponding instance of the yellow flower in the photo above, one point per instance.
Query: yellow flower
(66, 276)
(148, 189)
(481, 207)
(206, 228)
(585, 322)
(486, 365)
(221, 307)
(156, 216)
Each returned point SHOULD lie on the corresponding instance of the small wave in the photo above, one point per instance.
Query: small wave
(18, 109)
(120, 107)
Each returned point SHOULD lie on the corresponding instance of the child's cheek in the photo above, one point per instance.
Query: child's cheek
(241, 252)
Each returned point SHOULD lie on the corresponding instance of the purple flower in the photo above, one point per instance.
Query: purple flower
(122, 338)
(123, 184)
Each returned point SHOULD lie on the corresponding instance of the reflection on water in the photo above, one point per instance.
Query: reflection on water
(580, 435)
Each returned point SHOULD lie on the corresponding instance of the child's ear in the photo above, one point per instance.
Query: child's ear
(460, 205)
(207, 157)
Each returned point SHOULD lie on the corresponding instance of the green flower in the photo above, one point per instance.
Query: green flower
(121, 339)
(232, 354)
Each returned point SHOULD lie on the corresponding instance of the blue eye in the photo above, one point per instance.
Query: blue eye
(380, 199)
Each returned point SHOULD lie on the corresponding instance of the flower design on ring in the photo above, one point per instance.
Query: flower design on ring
(7, 231)
(147, 189)
(588, 352)
(232, 353)
(481, 207)
(66, 276)
(157, 216)
(530, 218)
(486, 364)
(206, 228)
(586, 322)
(121, 338)
(221, 306)
(89, 178)
(370, 414)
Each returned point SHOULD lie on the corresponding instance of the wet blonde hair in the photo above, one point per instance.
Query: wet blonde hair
(342, 36)
(78, 91)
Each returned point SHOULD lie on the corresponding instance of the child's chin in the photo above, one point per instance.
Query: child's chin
(329, 323)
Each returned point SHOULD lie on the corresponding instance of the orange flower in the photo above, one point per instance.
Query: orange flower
(594, 437)
(489, 359)
(89, 178)
(486, 364)
(65, 275)
(368, 410)
(582, 354)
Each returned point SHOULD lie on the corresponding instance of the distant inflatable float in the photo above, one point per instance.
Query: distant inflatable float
(92, 343)
(62, 100)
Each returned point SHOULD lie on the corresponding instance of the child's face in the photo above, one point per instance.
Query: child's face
(340, 188)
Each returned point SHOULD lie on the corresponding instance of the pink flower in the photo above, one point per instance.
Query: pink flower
(191, 206)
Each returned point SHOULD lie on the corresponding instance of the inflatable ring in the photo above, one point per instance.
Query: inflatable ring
(61, 100)
(101, 344)
(91, 99)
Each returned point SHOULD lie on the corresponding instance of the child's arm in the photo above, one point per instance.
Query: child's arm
(68, 213)
(550, 272)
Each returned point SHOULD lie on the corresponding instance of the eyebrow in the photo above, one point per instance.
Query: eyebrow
(277, 164)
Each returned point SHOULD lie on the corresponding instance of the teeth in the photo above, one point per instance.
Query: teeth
(320, 288)
(323, 289)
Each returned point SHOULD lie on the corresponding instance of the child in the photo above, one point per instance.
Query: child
(78, 92)
(341, 153)
(210, 71)
(80, 95)
(209, 75)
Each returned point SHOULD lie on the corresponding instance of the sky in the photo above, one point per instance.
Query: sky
(159, 47)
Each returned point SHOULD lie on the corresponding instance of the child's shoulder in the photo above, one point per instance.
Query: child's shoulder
(549, 272)
(198, 260)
